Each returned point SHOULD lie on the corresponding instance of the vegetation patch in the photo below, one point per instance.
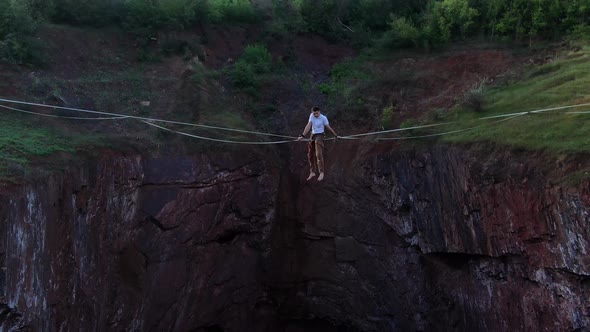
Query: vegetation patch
(19, 140)
(560, 83)
(22, 141)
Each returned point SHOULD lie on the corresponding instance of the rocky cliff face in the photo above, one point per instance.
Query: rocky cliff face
(141, 244)
(453, 240)
(439, 239)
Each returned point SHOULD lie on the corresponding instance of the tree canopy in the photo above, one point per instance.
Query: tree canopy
(391, 23)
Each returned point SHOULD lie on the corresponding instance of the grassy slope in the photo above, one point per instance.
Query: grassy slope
(19, 140)
(562, 82)
(23, 140)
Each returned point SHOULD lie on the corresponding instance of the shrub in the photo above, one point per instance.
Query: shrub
(243, 75)
(286, 20)
(581, 32)
(319, 17)
(175, 46)
(17, 19)
(254, 62)
(259, 57)
(372, 13)
(17, 25)
(410, 123)
(387, 117)
(22, 50)
(145, 16)
(402, 33)
(474, 99)
(435, 29)
(327, 88)
(178, 14)
(147, 55)
(86, 12)
(142, 14)
(231, 11)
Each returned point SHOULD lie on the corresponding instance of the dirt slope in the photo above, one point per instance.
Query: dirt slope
(99, 69)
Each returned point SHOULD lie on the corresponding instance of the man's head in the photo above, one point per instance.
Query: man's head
(316, 111)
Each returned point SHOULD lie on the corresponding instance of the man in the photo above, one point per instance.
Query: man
(317, 123)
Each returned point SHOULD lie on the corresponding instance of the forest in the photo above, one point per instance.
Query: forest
(393, 24)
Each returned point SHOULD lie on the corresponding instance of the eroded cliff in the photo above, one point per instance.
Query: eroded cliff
(439, 238)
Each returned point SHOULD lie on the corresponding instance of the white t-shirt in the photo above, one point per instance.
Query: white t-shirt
(318, 124)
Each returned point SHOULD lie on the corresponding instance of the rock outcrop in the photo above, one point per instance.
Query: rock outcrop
(433, 239)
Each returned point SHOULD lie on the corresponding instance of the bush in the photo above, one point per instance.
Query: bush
(387, 117)
(255, 61)
(175, 46)
(17, 19)
(401, 33)
(581, 32)
(178, 14)
(319, 17)
(286, 20)
(145, 54)
(259, 57)
(17, 25)
(327, 88)
(141, 15)
(243, 75)
(22, 50)
(474, 99)
(145, 16)
(410, 123)
(86, 12)
(374, 14)
(435, 29)
(231, 11)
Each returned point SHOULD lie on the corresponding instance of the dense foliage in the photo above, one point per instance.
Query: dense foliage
(389, 23)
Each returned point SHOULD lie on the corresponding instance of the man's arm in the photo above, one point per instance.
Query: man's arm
(332, 130)
(305, 131)
(307, 127)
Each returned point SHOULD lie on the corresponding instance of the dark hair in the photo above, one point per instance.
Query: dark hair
(315, 109)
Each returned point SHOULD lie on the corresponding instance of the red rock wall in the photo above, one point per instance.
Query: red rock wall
(141, 245)
(440, 239)
(449, 239)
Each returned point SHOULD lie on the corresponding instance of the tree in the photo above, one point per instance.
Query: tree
(514, 19)
(459, 16)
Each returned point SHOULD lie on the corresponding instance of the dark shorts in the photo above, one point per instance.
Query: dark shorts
(317, 136)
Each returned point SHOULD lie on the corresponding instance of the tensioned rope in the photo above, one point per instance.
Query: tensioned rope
(149, 121)
(482, 118)
(141, 118)
(449, 132)
(217, 139)
(222, 140)
(151, 124)
(64, 117)
(332, 138)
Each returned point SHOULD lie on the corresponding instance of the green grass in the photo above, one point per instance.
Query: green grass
(23, 141)
(345, 77)
(20, 141)
(563, 82)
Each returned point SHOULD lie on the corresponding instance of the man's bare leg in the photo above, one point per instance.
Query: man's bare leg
(311, 155)
(319, 151)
